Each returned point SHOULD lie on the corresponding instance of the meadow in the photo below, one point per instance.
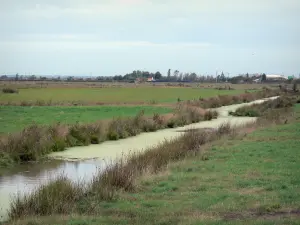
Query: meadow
(109, 95)
(16, 118)
(250, 178)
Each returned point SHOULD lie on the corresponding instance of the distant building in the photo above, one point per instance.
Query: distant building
(150, 79)
(274, 77)
(271, 77)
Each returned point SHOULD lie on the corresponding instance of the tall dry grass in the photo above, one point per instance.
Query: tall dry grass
(223, 100)
(267, 107)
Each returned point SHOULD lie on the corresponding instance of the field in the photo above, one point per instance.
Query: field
(111, 95)
(83, 104)
(250, 180)
(15, 118)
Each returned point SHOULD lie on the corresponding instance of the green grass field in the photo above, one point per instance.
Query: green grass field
(112, 95)
(255, 180)
(15, 118)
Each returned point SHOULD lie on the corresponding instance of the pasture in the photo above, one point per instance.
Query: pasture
(15, 118)
(109, 95)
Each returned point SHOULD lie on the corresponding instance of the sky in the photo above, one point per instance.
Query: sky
(109, 37)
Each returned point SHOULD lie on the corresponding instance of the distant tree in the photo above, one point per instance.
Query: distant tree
(193, 77)
(263, 77)
(70, 78)
(169, 73)
(222, 77)
(17, 77)
(175, 75)
(32, 77)
(157, 76)
(295, 87)
(180, 78)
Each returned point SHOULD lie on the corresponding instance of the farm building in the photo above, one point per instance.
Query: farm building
(150, 79)
(272, 77)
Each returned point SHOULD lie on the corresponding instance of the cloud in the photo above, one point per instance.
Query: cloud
(180, 32)
(74, 43)
(135, 8)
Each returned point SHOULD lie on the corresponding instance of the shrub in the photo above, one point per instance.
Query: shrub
(263, 108)
(58, 145)
(10, 90)
(28, 145)
(158, 120)
(209, 115)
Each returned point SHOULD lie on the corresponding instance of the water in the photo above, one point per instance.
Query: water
(24, 178)
(81, 163)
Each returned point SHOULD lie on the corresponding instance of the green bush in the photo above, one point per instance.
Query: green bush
(10, 90)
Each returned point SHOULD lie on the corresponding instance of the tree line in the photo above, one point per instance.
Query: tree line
(142, 76)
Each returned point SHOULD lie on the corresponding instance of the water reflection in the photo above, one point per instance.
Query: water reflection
(25, 178)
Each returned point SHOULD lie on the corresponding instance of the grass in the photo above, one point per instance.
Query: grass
(223, 100)
(261, 109)
(16, 118)
(110, 95)
(252, 179)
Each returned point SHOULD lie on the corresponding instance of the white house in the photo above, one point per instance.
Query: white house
(272, 77)
(275, 77)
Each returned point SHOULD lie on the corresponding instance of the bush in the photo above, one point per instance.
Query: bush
(59, 145)
(223, 100)
(263, 108)
(10, 90)
(209, 115)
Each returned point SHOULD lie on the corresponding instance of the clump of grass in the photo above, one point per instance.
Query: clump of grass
(57, 197)
(10, 91)
(210, 114)
(223, 100)
(27, 145)
(257, 110)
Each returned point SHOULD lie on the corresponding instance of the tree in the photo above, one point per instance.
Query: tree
(157, 76)
(263, 77)
(175, 74)
(193, 77)
(295, 87)
(32, 77)
(70, 78)
(17, 77)
(169, 73)
(180, 77)
(222, 77)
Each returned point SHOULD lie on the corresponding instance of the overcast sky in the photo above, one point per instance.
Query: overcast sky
(108, 37)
